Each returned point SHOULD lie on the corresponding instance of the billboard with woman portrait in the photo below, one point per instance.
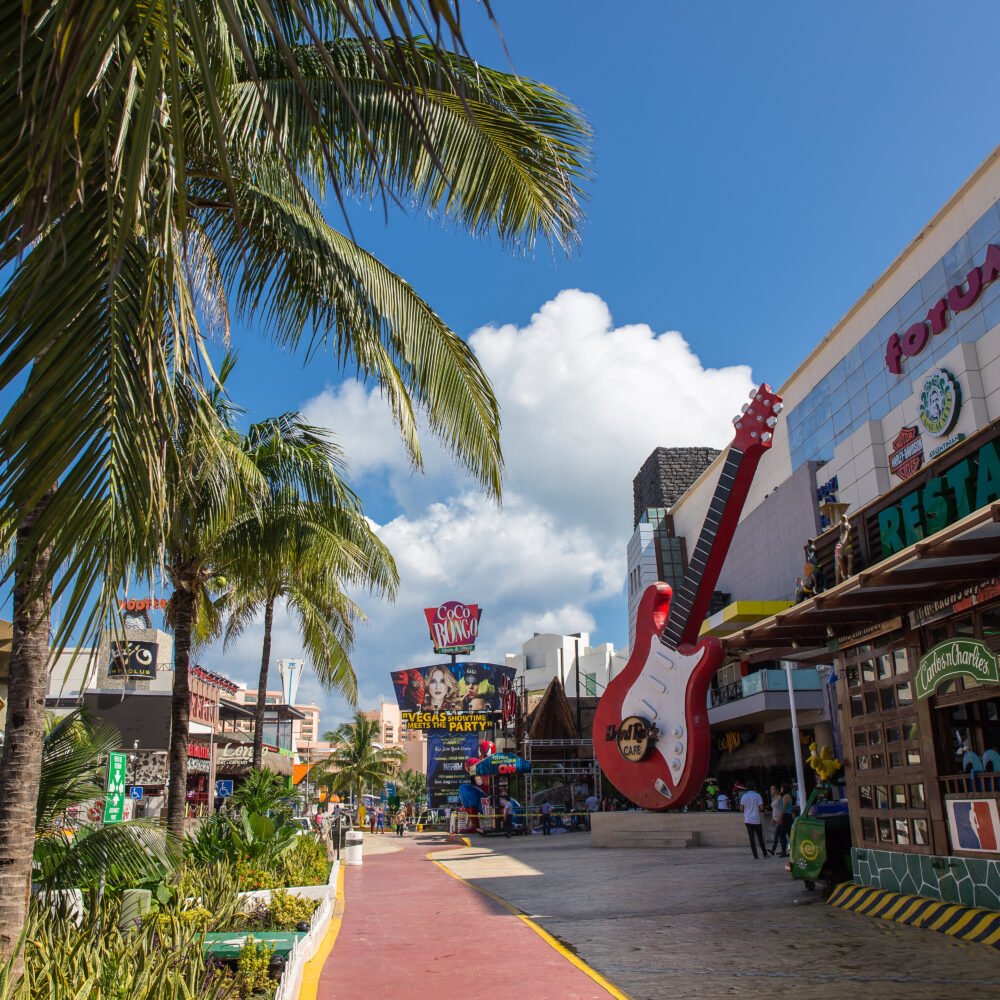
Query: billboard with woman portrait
(432, 697)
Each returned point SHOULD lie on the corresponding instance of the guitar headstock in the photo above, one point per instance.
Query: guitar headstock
(755, 425)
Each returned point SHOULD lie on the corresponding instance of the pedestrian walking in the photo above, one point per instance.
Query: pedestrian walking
(400, 823)
(751, 804)
(779, 839)
(508, 817)
(546, 818)
(380, 821)
(787, 816)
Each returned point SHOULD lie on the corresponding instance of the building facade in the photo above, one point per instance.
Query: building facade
(876, 512)
(570, 658)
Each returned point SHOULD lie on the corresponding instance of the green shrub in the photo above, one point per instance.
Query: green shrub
(305, 863)
(196, 917)
(287, 911)
(252, 970)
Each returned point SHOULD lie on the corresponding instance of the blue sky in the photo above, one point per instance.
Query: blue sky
(757, 166)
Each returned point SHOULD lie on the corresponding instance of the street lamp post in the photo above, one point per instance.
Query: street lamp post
(797, 743)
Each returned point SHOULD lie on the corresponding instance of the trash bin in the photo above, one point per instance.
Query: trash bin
(353, 840)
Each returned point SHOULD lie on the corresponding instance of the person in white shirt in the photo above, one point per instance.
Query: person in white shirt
(751, 803)
(722, 802)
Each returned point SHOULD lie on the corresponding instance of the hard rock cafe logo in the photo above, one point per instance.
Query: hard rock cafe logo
(635, 737)
(907, 453)
(940, 401)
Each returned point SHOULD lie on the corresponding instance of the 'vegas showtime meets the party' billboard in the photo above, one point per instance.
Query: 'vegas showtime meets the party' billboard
(455, 697)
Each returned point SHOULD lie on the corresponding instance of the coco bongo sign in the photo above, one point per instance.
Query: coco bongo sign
(453, 626)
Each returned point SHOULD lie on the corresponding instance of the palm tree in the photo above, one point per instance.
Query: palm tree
(412, 785)
(308, 542)
(358, 759)
(161, 159)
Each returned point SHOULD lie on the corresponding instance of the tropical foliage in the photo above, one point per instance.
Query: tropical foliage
(358, 760)
(310, 541)
(70, 855)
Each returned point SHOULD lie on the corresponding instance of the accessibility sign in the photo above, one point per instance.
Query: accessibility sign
(114, 789)
(224, 788)
(135, 792)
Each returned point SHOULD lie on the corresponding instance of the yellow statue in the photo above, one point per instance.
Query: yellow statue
(823, 762)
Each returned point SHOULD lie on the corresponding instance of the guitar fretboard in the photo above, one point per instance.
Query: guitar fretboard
(696, 592)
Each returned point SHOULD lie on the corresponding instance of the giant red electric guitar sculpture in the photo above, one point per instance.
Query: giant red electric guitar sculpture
(651, 732)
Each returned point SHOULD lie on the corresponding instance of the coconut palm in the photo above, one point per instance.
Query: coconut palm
(358, 760)
(306, 544)
(165, 162)
(411, 785)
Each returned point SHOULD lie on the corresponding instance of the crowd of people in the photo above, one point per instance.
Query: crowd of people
(782, 812)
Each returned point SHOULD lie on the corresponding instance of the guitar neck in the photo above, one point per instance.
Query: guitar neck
(689, 607)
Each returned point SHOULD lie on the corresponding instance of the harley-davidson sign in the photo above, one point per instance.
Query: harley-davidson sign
(907, 453)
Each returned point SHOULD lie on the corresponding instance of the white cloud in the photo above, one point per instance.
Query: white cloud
(583, 403)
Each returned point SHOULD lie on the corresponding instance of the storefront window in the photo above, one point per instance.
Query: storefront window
(884, 742)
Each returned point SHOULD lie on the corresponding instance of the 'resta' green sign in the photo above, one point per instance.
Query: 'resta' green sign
(114, 790)
(965, 487)
(967, 657)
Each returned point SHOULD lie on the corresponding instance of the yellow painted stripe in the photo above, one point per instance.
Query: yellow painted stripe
(870, 903)
(852, 897)
(960, 924)
(904, 917)
(944, 918)
(890, 914)
(840, 892)
(878, 910)
(609, 987)
(994, 938)
(314, 967)
(918, 915)
(928, 914)
(976, 928)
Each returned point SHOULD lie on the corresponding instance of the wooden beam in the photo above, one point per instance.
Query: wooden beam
(990, 545)
(877, 598)
(925, 573)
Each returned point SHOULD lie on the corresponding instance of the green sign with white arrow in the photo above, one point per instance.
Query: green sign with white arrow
(114, 789)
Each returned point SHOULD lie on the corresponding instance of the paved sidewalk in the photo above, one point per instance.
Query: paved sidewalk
(713, 922)
(412, 930)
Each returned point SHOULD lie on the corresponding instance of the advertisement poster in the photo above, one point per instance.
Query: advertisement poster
(133, 659)
(453, 626)
(446, 757)
(447, 687)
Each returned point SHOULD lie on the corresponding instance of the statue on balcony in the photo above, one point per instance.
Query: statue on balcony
(844, 551)
(811, 582)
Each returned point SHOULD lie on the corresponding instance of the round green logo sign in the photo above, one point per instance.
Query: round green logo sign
(940, 401)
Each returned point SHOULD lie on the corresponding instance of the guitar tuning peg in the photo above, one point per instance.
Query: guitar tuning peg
(765, 437)
(771, 421)
(777, 408)
(744, 408)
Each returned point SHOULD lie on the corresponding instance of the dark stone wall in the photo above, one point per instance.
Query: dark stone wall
(666, 475)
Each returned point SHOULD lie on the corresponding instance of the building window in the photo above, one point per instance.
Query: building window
(885, 746)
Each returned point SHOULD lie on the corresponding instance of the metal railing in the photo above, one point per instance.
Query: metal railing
(764, 680)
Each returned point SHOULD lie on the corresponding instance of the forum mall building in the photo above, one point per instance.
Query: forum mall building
(893, 420)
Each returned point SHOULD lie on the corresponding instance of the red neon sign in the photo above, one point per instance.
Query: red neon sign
(453, 626)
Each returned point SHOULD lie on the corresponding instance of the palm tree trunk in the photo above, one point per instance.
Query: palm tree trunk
(22, 751)
(180, 711)
(265, 663)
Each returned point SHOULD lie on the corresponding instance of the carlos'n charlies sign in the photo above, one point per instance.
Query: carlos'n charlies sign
(968, 657)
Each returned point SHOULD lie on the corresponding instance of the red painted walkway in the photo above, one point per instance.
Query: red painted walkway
(412, 930)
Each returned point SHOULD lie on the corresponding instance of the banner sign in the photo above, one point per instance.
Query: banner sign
(446, 757)
(952, 658)
(453, 626)
(446, 689)
(133, 659)
(114, 789)
(463, 722)
(503, 763)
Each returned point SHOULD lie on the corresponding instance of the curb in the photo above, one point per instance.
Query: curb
(967, 923)
(313, 969)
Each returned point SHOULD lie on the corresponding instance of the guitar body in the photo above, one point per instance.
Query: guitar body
(665, 689)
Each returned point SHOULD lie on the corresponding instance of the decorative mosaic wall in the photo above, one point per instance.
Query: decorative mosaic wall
(953, 880)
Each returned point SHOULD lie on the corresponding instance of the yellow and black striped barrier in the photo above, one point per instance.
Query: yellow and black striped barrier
(968, 923)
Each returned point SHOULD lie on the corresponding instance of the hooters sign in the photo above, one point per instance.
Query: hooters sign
(453, 626)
